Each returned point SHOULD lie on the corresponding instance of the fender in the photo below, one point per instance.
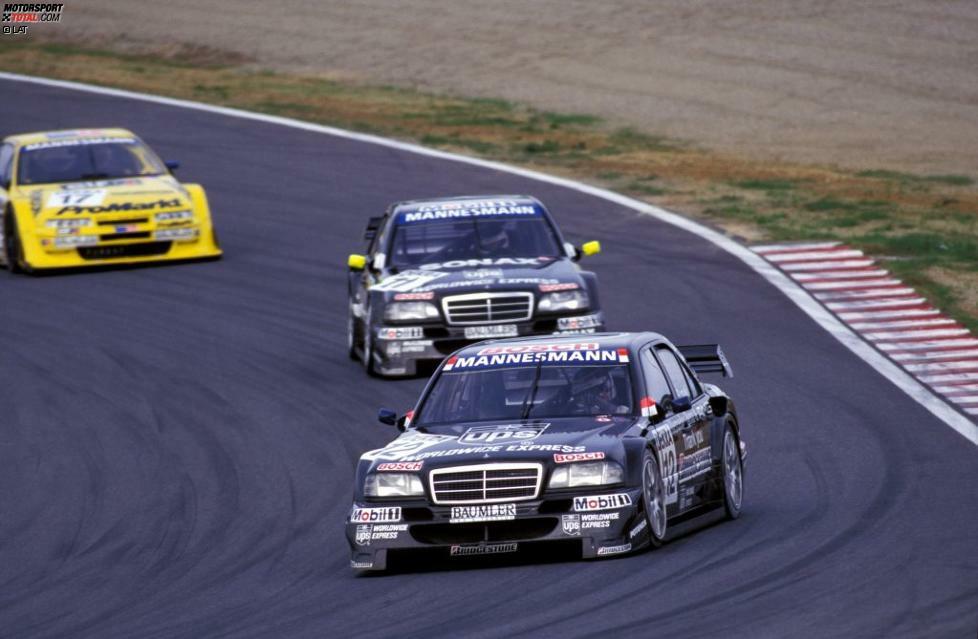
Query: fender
(198, 198)
(20, 214)
(591, 285)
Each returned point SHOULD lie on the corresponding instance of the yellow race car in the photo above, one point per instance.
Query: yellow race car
(94, 197)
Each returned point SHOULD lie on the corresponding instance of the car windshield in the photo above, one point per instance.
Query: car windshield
(75, 161)
(463, 239)
(525, 392)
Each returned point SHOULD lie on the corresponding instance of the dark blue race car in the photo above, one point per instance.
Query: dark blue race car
(439, 274)
(602, 442)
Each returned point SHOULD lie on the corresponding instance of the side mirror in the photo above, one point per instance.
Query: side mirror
(590, 248)
(172, 165)
(679, 404)
(718, 405)
(356, 262)
(387, 416)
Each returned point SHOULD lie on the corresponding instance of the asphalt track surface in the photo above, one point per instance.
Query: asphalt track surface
(177, 443)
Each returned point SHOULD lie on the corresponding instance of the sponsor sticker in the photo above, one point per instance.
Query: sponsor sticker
(387, 532)
(602, 502)
(501, 434)
(482, 512)
(79, 142)
(395, 466)
(438, 211)
(614, 550)
(566, 458)
(405, 297)
(120, 207)
(598, 520)
(571, 524)
(363, 534)
(603, 356)
(634, 532)
(361, 564)
(467, 550)
(371, 515)
(560, 286)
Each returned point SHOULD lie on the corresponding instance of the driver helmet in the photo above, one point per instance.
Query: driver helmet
(594, 387)
(496, 237)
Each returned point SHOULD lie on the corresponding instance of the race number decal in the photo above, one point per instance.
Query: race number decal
(408, 281)
(80, 197)
(405, 445)
(666, 447)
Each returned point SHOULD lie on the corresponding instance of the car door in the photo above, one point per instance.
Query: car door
(665, 424)
(692, 437)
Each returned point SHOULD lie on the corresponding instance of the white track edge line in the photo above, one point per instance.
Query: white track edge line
(902, 380)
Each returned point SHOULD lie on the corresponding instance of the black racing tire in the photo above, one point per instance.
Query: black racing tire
(13, 252)
(351, 336)
(368, 351)
(654, 499)
(732, 470)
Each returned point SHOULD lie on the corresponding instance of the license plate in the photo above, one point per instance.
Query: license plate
(485, 512)
(496, 330)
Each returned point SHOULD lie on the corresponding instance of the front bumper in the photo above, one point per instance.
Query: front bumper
(398, 349)
(43, 252)
(603, 525)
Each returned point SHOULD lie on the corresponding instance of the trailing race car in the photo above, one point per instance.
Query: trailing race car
(443, 273)
(601, 442)
(98, 196)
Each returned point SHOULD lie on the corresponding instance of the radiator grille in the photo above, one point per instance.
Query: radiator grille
(488, 308)
(485, 483)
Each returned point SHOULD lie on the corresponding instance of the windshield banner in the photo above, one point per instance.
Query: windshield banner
(439, 211)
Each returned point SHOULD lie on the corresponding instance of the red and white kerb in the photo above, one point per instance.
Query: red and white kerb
(649, 409)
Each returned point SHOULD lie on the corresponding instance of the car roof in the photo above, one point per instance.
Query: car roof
(36, 137)
(605, 341)
(465, 202)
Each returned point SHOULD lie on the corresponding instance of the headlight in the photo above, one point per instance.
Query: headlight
(400, 311)
(392, 485)
(586, 474)
(171, 216)
(564, 301)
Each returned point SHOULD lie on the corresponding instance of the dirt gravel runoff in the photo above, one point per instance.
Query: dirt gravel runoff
(885, 84)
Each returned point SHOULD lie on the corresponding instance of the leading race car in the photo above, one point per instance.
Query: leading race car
(92, 197)
(600, 441)
(438, 274)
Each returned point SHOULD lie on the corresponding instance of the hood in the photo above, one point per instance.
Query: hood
(496, 274)
(127, 196)
(537, 440)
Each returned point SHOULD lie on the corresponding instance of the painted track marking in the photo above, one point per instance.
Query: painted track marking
(935, 349)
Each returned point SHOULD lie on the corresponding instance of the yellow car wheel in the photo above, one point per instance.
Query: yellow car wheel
(13, 252)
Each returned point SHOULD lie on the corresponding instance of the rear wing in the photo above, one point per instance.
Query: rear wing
(706, 358)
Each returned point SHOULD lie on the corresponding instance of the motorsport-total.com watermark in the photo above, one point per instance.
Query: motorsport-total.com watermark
(18, 16)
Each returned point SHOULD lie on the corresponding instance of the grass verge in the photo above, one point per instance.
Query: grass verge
(923, 227)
